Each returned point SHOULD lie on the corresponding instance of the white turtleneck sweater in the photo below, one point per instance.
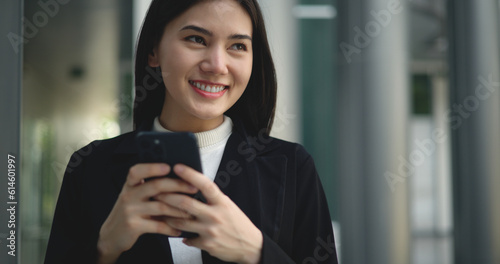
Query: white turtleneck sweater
(211, 144)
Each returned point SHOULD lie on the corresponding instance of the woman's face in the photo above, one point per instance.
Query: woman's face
(206, 60)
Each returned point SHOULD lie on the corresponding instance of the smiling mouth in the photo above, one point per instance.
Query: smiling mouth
(209, 88)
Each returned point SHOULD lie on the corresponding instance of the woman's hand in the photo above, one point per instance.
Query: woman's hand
(135, 213)
(225, 231)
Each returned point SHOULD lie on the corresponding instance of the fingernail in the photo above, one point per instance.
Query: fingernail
(192, 188)
(165, 168)
(179, 168)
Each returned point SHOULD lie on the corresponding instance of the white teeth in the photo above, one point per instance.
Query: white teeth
(208, 88)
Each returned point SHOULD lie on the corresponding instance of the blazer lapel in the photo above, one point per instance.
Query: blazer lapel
(254, 180)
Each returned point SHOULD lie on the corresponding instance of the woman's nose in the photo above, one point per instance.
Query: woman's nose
(215, 61)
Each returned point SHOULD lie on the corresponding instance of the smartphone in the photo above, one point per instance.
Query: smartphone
(171, 148)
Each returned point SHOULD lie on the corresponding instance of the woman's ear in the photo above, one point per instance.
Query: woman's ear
(153, 59)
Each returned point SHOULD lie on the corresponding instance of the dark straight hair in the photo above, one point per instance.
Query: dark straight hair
(255, 108)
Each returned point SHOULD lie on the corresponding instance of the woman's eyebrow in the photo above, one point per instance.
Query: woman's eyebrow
(210, 34)
(198, 29)
(240, 36)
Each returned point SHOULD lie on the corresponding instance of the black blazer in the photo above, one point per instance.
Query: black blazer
(273, 181)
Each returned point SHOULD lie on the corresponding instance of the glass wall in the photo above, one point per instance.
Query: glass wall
(70, 98)
(317, 67)
(430, 184)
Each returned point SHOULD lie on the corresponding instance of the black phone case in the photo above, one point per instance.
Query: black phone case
(171, 148)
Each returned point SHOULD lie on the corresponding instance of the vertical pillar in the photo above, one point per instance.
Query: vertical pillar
(317, 79)
(282, 33)
(11, 48)
(443, 211)
(443, 205)
(475, 124)
(126, 64)
(373, 115)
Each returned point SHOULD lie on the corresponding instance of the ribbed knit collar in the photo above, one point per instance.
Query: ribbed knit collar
(205, 138)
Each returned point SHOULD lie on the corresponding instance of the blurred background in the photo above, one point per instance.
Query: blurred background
(397, 101)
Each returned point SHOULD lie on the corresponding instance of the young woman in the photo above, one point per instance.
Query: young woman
(202, 66)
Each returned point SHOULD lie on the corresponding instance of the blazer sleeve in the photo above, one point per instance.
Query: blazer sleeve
(71, 240)
(312, 237)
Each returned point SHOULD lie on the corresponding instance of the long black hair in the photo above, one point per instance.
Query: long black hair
(255, 108)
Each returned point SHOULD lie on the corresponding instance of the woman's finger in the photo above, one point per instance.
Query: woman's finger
(140, 172)
(189, 225)
(208, 188)
(195, 242)
(157, 186)
(159, 227)
(155, 208)
(184, 203)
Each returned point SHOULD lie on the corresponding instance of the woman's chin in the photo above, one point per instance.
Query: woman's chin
(207, 114)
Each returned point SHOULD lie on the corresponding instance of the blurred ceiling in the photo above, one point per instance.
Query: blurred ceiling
(72, 54)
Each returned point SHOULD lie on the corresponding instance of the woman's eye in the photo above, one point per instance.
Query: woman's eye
(196, 39)
(239, 46)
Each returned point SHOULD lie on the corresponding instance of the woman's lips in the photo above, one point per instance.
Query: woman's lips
(209, 90)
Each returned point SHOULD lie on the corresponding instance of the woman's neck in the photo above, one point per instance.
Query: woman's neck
(177, 123)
